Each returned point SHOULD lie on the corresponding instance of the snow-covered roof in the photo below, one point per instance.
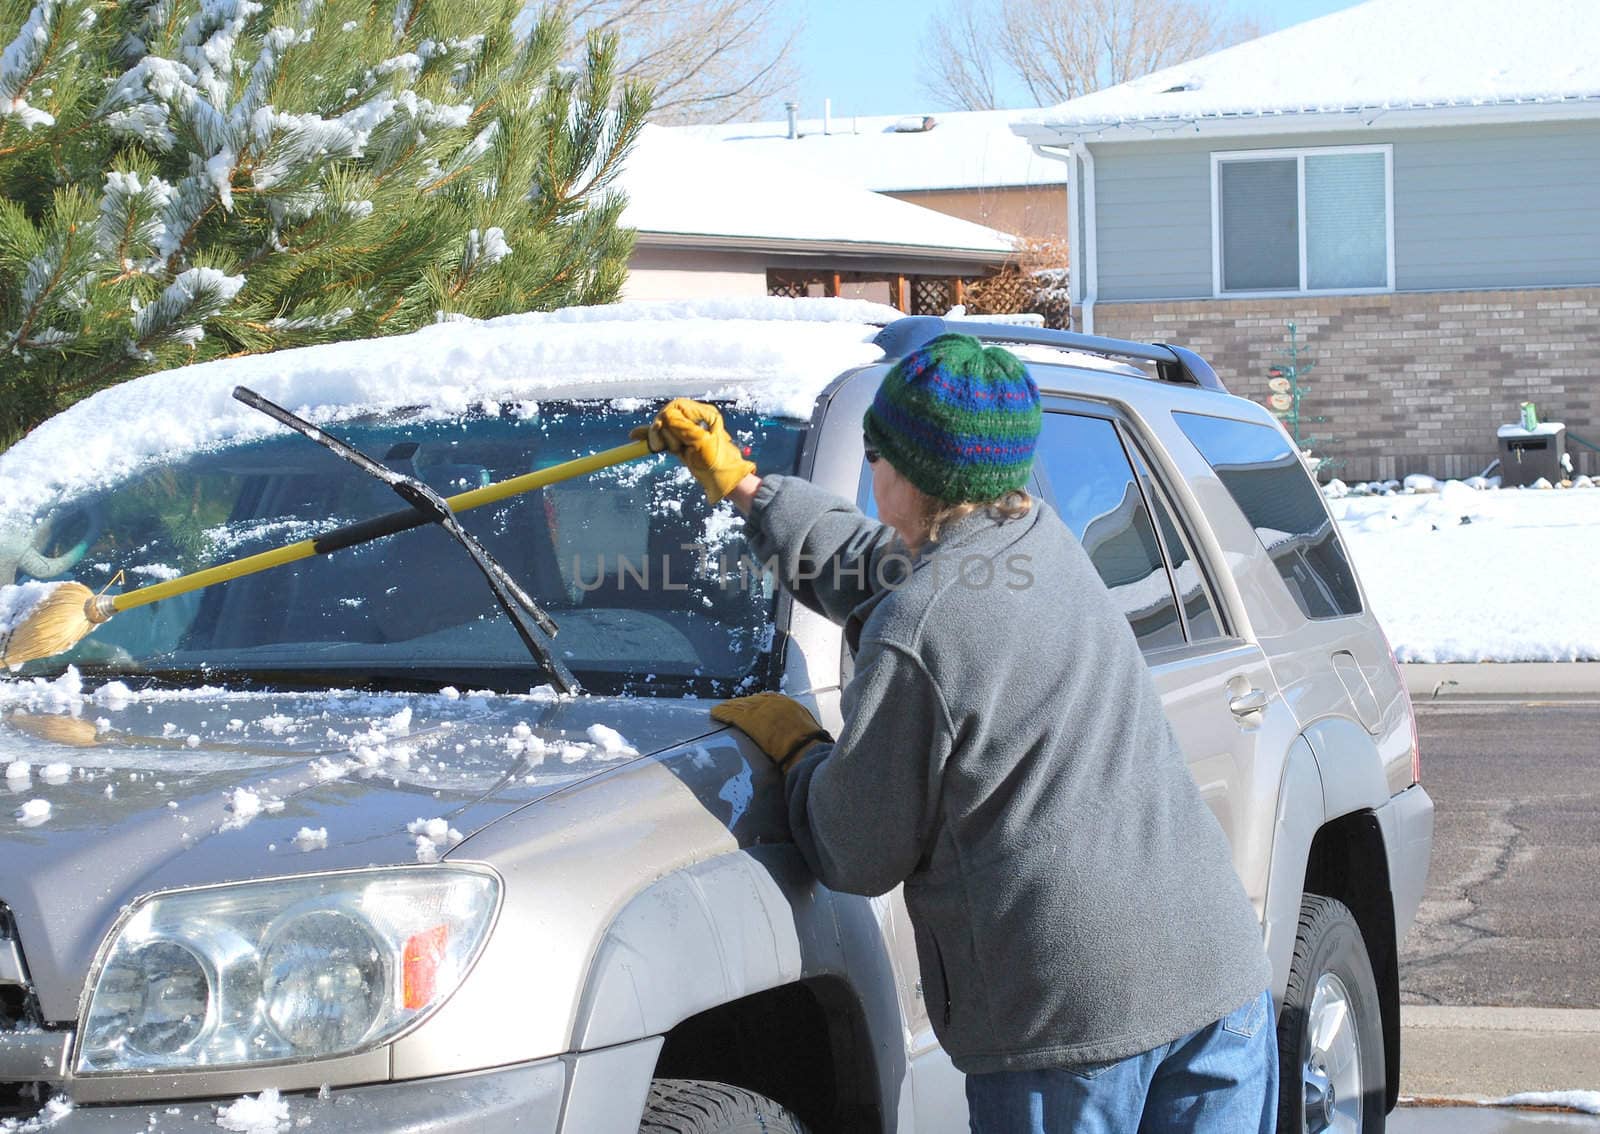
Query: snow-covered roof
(963, 150)
(1532, 58)
(686, 186)
(775, 355)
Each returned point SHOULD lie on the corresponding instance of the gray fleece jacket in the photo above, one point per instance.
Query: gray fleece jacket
(1005, 755)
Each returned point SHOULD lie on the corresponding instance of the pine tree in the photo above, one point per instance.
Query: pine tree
(187, 179)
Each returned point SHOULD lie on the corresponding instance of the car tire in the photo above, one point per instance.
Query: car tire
(695, 1106)
(1330, 1032)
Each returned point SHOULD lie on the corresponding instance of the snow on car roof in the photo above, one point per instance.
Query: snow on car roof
(1384, 54)
(772, 355)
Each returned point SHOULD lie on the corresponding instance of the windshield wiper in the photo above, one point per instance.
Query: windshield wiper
(526, 615)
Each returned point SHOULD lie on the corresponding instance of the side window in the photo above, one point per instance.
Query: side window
(1266, 478)
(1199, 613)
(1084, 472)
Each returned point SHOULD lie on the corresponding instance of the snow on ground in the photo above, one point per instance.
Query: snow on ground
(1586, 1101)
(1494, 575)
(772, 355)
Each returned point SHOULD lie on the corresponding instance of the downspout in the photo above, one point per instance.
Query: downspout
(1081, 254)
(1091, 251)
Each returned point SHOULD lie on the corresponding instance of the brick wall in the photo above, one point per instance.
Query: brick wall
(1409, 382)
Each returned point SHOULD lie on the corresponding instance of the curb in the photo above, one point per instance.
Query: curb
(1488, 1055)
(1439, 681)
(1566, 1021)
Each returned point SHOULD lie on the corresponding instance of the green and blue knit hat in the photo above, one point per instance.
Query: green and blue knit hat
(957, 419)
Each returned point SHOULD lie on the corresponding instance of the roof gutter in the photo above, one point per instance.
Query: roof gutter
(645, 238)
(1308, 121)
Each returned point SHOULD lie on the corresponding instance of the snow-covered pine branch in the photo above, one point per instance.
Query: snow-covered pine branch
(180, 313)
(247, 175)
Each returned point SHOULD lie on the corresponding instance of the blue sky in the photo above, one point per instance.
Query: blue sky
(863, 54)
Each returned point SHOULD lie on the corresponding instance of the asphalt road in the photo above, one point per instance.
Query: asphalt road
(1511, 912)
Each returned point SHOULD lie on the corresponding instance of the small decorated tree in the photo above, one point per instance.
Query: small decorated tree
(186, 179)
(1286, 381)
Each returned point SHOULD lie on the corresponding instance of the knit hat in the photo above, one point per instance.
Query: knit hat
(957, 419)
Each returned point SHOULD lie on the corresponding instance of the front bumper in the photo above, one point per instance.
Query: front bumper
(597, 1092)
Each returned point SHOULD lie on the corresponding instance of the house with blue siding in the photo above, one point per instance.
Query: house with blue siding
(1415, 184)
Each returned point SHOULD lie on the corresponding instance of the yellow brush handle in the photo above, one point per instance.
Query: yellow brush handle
(306, 548)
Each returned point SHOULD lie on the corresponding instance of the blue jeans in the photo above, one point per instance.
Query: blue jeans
(1222, 1079)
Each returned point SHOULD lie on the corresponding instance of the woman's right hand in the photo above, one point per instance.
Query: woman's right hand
(693, 432)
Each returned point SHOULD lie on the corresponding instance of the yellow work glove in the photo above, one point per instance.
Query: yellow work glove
(693, 432)
(782, 727)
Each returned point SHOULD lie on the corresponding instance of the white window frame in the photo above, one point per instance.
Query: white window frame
(1218, 157)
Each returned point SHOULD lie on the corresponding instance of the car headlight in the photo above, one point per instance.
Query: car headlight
(298, 968)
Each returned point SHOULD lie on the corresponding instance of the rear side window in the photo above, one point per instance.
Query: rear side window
(1084, 472)
(1198, 611)
(1267, 480)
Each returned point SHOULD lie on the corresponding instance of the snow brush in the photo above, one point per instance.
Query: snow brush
(69, 611)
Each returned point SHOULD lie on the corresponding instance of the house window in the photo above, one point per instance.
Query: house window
(1315, 220)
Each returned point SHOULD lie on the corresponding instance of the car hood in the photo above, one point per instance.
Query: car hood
(108, 794)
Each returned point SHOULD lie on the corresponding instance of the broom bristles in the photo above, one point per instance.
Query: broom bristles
(56, 623)
(72, 731)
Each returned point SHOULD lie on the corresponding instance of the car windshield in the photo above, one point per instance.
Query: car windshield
(653, 590)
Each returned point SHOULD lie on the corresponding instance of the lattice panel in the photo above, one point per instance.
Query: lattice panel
(792, 285)
(931, 295)
(1003, 294)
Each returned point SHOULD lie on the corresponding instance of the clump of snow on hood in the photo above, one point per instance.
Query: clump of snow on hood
(55, 773)
(266, 1113)
(17, 770)
(768, 354)
(34, 812)
(277, 723)
(246, 804)
(63, 694)
(113, 695)
(611, 743)
(56, 1110)
(432, 836)
(310, 839)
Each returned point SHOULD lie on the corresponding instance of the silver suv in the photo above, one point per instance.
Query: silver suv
(304, 851)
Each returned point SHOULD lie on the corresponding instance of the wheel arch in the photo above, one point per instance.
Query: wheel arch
(1329, 841)
(1348, 862)
(740, 963)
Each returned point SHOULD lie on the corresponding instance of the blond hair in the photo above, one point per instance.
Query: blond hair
(1011, 505)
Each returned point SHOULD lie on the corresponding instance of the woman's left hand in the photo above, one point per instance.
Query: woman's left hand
(781, 727)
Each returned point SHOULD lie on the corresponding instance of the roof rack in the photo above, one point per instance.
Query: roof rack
(1173, 363)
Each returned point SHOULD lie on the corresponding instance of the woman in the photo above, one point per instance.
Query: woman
(1089, 958)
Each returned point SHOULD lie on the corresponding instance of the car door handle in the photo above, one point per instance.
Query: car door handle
(1252, 701)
